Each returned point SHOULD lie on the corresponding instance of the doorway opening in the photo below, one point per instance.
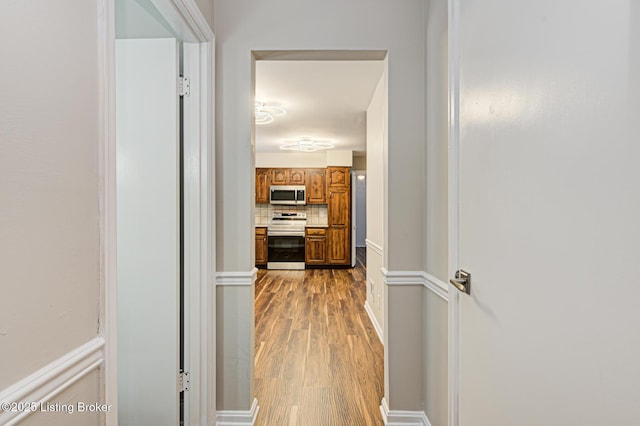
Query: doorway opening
(318, 341)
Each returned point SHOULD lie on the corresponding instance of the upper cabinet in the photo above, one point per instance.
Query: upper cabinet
(262, 186)
(287, 176)
(316, 186)
(296, 176)
(338, 177)
(280, 176)
(318, 182)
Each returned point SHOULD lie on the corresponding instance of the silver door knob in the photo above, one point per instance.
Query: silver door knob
(462, 281)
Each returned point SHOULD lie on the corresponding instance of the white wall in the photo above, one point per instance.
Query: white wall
(436, 204)
(397, 27)
(49, 217)
(293, 159)
(377, 123)
(339, 158)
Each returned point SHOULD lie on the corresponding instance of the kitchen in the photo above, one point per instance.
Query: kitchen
(310, 143)
(303, 217)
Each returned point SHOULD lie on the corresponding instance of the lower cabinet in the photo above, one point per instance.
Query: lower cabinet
(316, 246)
(338, 247)
(262, 247)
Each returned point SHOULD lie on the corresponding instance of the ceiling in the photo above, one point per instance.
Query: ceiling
(325, 101)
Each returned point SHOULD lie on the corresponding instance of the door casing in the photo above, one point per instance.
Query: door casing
(188, 22)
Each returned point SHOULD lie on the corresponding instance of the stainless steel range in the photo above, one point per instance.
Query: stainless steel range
(286, 241)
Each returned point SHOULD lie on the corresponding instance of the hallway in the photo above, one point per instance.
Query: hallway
(318, 360)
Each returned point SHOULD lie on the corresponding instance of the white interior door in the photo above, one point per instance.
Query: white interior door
(549, 208)
(148, 231)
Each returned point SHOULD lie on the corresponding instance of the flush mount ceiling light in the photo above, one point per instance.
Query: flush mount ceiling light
(265, 113)
(306, 145)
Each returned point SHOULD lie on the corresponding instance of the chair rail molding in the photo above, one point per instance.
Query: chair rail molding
(235, 278)
(410, 278)
(373, 246)
(46, 383)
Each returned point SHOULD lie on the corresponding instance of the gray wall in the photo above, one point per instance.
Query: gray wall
(206, 7)
(49, 217)
(242, 26)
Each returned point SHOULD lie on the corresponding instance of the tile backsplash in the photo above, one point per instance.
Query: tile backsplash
(316, 213)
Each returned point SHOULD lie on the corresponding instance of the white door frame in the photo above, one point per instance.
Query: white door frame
(453, 207)
(188, 22)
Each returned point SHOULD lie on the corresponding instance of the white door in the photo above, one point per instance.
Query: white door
(148, 231)
(549, 212)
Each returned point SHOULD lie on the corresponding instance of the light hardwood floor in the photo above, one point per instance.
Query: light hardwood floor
(318, 359)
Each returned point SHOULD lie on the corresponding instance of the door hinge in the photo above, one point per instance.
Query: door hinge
(183, 381)
(184, 86)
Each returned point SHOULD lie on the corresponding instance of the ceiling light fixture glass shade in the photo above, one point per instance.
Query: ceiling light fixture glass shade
(306, 145)
(265, 113)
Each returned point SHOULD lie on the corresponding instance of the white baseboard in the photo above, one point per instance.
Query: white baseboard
(239, 417)
(51, 380)
(402, 418)
(374, 321)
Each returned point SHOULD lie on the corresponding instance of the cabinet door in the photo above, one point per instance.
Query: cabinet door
(279, 176)
(261, 246)
(296, 176)
(338, 177)
(338, 206)
(262, 186)
(316, 186)
(316, 250)
(338, 246)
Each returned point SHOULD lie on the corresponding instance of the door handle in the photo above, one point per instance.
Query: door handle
(462, 281)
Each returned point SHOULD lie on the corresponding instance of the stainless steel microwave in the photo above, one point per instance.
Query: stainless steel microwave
(288, 195)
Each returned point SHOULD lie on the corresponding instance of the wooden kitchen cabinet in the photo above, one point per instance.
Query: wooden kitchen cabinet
(338, 177)
(316, 186)
(262, 186)
(262, 246)
(296, 176)
(338, 249)
(339, 207)
(315, 250)
(339, 216)
(281, 176)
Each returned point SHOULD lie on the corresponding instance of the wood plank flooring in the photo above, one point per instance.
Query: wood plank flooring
(318, 359)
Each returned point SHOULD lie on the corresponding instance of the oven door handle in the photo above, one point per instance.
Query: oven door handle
(285, 234)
